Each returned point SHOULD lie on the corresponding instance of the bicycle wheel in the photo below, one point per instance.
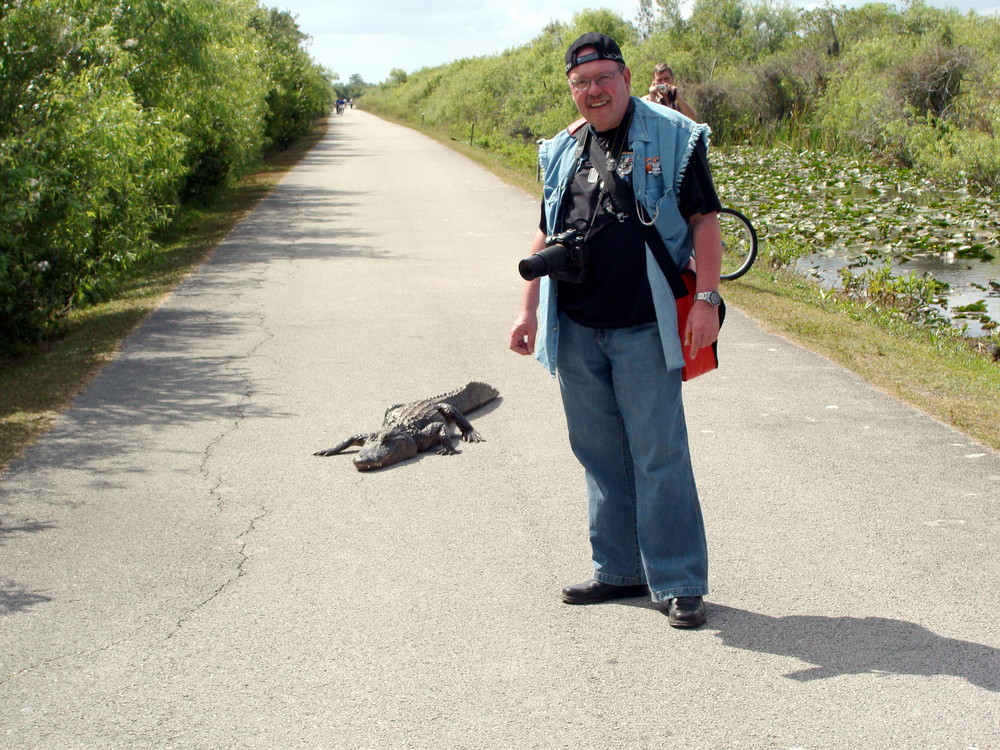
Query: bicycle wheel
(739, 243)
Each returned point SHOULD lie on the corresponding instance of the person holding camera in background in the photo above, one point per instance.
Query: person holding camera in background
(663, 91)
(606, 325)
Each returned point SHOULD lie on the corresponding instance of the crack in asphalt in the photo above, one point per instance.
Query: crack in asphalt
(52, 660)
(240, 571)
(215, 492)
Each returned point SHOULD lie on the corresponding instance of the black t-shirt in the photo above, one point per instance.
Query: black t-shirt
(615, 292)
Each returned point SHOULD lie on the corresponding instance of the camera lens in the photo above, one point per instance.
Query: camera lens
(533, 267)
(543, 263)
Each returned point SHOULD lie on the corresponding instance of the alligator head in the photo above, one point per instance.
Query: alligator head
(384, 449)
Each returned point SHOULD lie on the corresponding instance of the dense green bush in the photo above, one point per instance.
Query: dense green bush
(113, 115)
(299, 91)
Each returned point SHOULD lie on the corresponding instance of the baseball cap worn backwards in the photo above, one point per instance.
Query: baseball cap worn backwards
(607, 49)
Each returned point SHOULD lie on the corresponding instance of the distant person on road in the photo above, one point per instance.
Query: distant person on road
(663, 91)
(611, 335)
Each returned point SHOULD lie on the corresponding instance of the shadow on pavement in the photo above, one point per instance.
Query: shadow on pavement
(163, 384)
(294, 221)
(856, 645)
(13, 598)
(28, 527)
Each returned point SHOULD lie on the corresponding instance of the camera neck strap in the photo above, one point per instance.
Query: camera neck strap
(623, 197)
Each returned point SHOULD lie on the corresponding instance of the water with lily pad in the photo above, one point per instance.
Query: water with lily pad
(862, 216)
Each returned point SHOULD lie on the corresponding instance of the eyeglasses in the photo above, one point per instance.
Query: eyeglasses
(582, 84)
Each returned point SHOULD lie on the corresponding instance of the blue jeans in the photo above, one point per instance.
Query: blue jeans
(626, 426)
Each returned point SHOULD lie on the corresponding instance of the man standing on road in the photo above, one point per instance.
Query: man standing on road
(612, 339)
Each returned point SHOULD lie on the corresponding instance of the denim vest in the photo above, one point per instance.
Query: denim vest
(662, 140)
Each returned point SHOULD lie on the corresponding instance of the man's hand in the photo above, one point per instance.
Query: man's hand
(660, 97)
(525, 328)
(702, 326)
(522, 335)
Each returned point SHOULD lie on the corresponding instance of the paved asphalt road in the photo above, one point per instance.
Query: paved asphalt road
(178, 571)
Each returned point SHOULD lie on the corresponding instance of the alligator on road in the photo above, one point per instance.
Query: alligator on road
(417, 426)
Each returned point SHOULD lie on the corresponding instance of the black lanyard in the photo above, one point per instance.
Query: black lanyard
(623, 197)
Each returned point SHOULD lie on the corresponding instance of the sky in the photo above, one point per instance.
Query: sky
(372, 37)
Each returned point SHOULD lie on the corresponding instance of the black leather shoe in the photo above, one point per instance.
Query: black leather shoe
(594, 592)
(686, 612)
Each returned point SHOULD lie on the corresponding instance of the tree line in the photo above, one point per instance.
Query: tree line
(916, 85)
(113, 115)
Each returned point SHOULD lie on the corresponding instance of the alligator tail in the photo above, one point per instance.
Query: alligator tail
(473, 396)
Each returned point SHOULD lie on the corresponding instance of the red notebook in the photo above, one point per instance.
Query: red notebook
(707, 358)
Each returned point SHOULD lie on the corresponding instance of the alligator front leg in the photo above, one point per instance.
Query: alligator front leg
(353, 440)
(436, 433)
(447, 445)
(469, 434)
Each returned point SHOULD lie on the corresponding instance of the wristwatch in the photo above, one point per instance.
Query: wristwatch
(712, 298)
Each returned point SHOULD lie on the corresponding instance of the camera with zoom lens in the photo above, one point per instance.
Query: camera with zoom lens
(564, 259)
(662, 87)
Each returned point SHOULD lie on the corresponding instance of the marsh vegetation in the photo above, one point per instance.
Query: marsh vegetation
(862, 142)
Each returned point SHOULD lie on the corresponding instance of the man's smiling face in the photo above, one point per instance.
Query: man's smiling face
(604, 106)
